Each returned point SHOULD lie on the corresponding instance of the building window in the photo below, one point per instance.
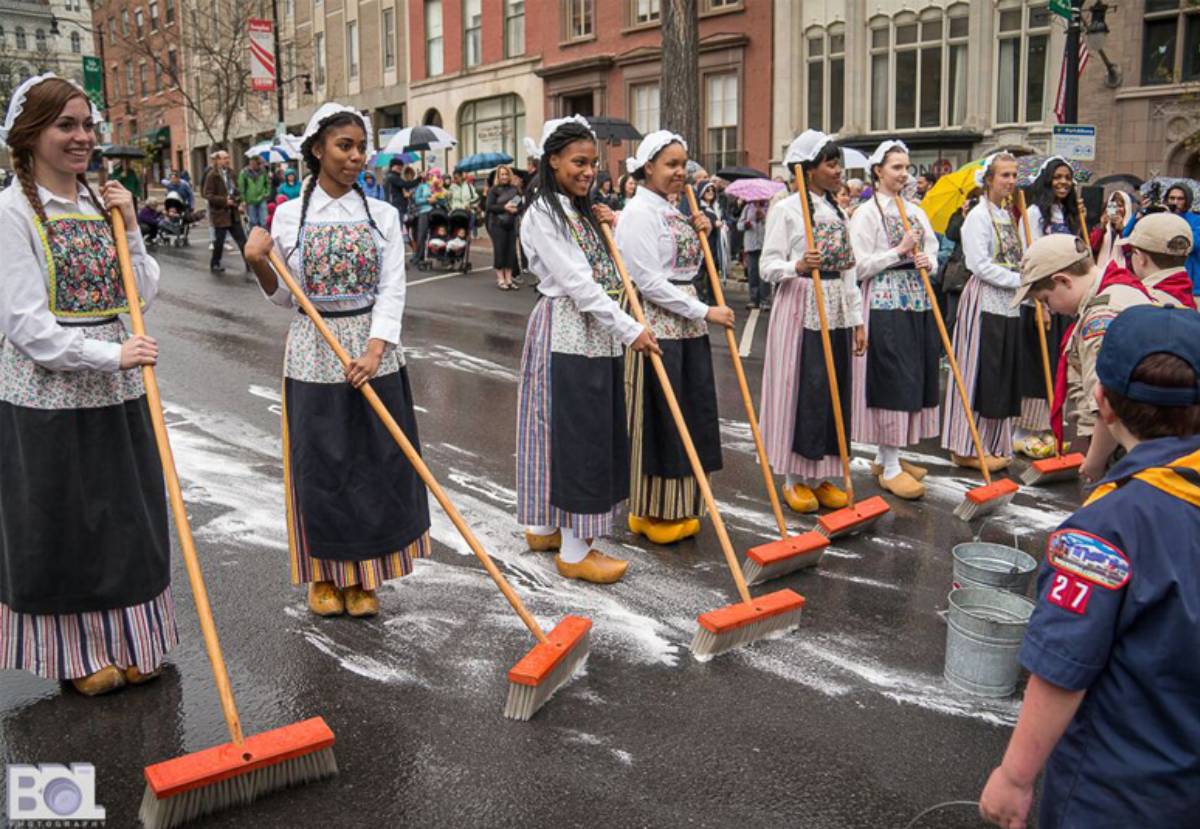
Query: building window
(4, 45)
(352, 49)
(139, 22)
(577, 19)
(124, 22)
(170, 12)
(22, 41)
(927, 57)
(128, 80)
(1170, 42)
(158, 76)
(1021, 65)
(472, 32)
(389, 38)
(112, 29)
(152, 7)
(494, 125)
(642, 12)
(76, 43)
(39, 39)
(718, 5)
(644, 107)
(173, 67)
(514, 28)
(319, 57)
(433, 37)
(826, 88)
(721, 120)
(142, 87)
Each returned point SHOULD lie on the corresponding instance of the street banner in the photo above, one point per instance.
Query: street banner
(262, 56)
(1074, 142)
(93, 80)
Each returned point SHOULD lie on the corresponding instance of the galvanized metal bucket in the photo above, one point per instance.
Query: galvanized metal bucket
(984, 629)
(979, 564)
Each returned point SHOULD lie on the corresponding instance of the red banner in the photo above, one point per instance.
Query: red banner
(262, 56)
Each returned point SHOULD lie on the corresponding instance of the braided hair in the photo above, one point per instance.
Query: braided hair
(44, 103)
(544, 187)
(828, 152)
(1042, 193)
(313, 165)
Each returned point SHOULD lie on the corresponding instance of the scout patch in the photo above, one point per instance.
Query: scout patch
(1070, 593)
(1088, 557)
(1096, 326)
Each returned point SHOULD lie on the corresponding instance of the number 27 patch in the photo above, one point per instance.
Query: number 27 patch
(1070, 593)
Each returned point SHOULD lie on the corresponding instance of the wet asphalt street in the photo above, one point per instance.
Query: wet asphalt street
(846, 722)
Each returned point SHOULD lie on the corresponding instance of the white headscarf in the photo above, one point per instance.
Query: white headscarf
(651, 146)
(550, 126)
(883, 149)
(1108, 245)
(981, 173)
(532, 150)
(1054, 161)
(330, 109)
(17, 104)
(806, 147)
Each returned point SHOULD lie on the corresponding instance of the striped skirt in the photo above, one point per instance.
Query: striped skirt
(74, 645)
(994, 433)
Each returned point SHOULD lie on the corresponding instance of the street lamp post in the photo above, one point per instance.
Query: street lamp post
(280, 127)
(1071, 93)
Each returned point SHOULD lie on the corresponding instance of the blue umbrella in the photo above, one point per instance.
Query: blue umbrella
(482, 161)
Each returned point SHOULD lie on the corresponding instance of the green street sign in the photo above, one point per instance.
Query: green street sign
(93, 80)
(1062, 8)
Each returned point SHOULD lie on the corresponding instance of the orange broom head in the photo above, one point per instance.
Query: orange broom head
(738, 624)
(1052, 469)
(852, 519)
(983, 500)
(226, 775)
(777, 558)
(546, 668)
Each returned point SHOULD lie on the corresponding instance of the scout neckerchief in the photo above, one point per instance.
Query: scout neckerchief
(1114, 275)
(1179, 287)
(1180, 479)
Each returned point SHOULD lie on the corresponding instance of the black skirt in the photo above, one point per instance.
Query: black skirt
(357, 496)
(902, 360)
(1033, 378)
(589, 446)
(998, 381)
(83, 511)
(815, 435)
(689, 367)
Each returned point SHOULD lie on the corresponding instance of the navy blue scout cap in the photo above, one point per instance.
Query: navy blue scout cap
(1137, 333)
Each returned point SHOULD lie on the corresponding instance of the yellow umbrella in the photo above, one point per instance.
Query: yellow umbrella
(948, 194)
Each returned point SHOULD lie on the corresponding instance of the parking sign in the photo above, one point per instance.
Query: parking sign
(1074, 142)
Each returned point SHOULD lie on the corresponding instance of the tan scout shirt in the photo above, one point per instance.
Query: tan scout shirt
(1161, 297)
(1097, 310)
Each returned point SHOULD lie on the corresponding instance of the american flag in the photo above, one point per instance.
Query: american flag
(1060, 102)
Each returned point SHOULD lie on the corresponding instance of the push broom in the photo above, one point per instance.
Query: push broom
(853, 517)
(1061, 467)
(981, 500)
(750, 619)
(241, 770)
(789, 553)
(557, 655)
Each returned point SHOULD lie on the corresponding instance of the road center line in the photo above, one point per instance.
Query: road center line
(748, 334)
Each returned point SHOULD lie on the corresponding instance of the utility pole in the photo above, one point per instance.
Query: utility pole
(280, 125)
(1071, 93)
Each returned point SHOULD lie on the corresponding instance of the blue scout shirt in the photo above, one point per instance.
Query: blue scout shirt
(1118, 614)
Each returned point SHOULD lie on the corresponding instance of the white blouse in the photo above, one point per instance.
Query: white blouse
(785, 243)
(647, 244)
(1035, 220)
(981, 247)
(563, 269)
(25, 316)
(873, 250)
(388, 313)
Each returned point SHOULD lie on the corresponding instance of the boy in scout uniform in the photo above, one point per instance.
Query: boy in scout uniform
(1112, 708)
(1159, 246)
(1058, 269)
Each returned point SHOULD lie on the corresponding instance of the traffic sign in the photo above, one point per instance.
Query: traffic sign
(1074, 142)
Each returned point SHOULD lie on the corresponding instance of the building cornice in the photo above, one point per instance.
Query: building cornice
(712, 43)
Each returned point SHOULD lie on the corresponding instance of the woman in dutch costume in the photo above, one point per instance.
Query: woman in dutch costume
(661, 249)
(896, 386)
(797, 414)
(84, 550)
(572, 446)
(987, 334)
(1053, 208)
(357, 513)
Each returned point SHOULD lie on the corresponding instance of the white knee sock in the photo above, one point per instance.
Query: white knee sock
(889, 457)
(541, 530)
(574, 550)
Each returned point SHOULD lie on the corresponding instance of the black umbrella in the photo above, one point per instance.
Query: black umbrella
(1119, 178)
(613, 129)
(735, 173)
(122, 151)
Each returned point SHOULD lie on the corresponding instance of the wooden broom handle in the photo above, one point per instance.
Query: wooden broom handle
(743, 386)
(1041, 318)
(1083, 228)
(946, 344)
(414, 458)
(175, 493)
(826, 344)
(684, 435)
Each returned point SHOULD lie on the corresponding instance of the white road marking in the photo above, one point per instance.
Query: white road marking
(748, 333)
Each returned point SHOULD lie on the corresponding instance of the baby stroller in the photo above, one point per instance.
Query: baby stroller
(449, 241)
(175, 223)
(458, 248)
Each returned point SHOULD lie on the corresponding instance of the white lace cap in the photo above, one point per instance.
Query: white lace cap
(883, 149)
(554, 123)
(532, 150)
(806, 147)
(17, 104)
(651, 146)
(981, 173)
(328, 110)
(1054, 161)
